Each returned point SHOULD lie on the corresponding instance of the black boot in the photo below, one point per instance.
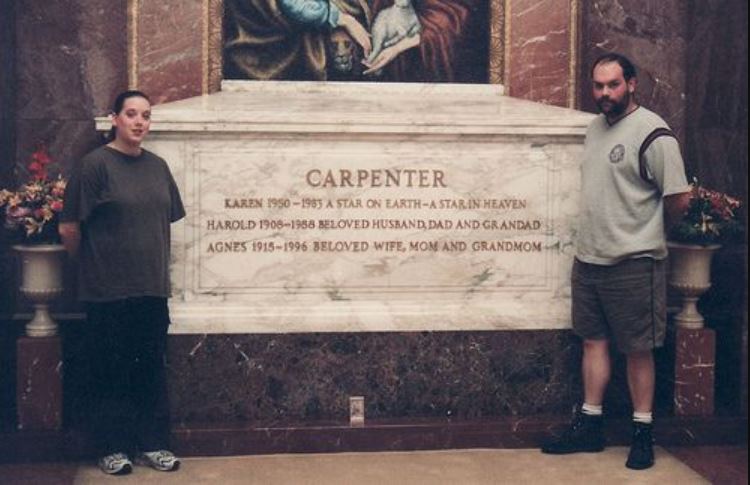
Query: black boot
(641, 454)
(583, 435)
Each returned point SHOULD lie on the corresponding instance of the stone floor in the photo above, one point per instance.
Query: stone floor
(478, 466)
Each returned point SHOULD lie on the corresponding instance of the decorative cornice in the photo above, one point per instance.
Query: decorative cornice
(214, 42)
(573, 53)
(133, 13)
(506, 44)
(496, 63)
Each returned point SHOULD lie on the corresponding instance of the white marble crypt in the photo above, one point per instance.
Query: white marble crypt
(321, 207)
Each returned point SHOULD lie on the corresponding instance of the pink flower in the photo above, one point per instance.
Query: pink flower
(18, 212)
(32, 211)
(41, 156)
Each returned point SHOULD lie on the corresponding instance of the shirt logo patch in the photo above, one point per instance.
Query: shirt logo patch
(617, 154)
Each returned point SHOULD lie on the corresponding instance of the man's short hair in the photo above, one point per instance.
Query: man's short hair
(628, 69)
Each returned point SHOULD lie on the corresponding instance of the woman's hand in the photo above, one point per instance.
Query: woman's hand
(356, 31)
(70, 233)
(388, 54)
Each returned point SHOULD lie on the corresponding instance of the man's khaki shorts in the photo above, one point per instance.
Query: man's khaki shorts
(625, 302)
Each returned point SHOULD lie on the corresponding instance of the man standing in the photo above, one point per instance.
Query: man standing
(633, 178)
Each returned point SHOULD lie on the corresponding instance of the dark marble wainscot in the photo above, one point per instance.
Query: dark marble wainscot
(435, 375)
(296, 377)
(423, 390)
(277, 393)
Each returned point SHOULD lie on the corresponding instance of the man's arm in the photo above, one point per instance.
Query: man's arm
(70, 233)
(675, 206)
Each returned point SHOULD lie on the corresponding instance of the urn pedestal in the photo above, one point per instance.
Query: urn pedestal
(41, 283)
(690, 275)
(39, 362)
(695, 346)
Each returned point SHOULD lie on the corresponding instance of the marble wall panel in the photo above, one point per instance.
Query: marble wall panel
(68, 75)
(7, 139)
(310, 377)
(717, 113)
(7, 91)
(168, 41)
(538, 63)
(49, 70)
(653, 34)
(73, 69)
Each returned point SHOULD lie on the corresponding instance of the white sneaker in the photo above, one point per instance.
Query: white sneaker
(161, 460)
(115, 464)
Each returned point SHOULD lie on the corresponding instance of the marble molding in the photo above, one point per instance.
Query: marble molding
(237, 145)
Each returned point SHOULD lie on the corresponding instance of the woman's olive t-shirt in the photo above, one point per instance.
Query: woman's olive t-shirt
(125, 205)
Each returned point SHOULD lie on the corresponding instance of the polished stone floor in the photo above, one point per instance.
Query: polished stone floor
(479, 466)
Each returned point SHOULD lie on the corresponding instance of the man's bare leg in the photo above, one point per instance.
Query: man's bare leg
(596, 368)
(641, 380)
(585, 432)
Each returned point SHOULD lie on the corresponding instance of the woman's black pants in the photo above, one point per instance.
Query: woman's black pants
(127, 346)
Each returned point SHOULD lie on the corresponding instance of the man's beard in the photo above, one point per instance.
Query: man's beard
(616, 108)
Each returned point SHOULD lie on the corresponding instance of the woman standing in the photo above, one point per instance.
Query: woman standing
(119, 204)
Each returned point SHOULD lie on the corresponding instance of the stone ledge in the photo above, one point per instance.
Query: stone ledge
(222, 439)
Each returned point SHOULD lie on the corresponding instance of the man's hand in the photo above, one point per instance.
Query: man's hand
(390, 53)
(356, 31)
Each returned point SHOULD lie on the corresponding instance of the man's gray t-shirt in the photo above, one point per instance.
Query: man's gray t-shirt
(622, 208)
(125, 205)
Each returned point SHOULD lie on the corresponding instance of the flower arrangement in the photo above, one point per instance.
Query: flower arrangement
(33, 211)
(711, 218)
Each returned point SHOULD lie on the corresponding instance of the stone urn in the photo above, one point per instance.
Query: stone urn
(690, 275)
(41, 283)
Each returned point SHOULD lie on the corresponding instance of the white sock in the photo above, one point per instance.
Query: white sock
(645, 418)
(592, 410)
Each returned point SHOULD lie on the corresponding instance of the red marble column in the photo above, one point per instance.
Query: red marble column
(39, 393)
(541, 50)
(166, 49)
(695, 359)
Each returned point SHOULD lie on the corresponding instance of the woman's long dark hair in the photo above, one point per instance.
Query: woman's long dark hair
(117, 107)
